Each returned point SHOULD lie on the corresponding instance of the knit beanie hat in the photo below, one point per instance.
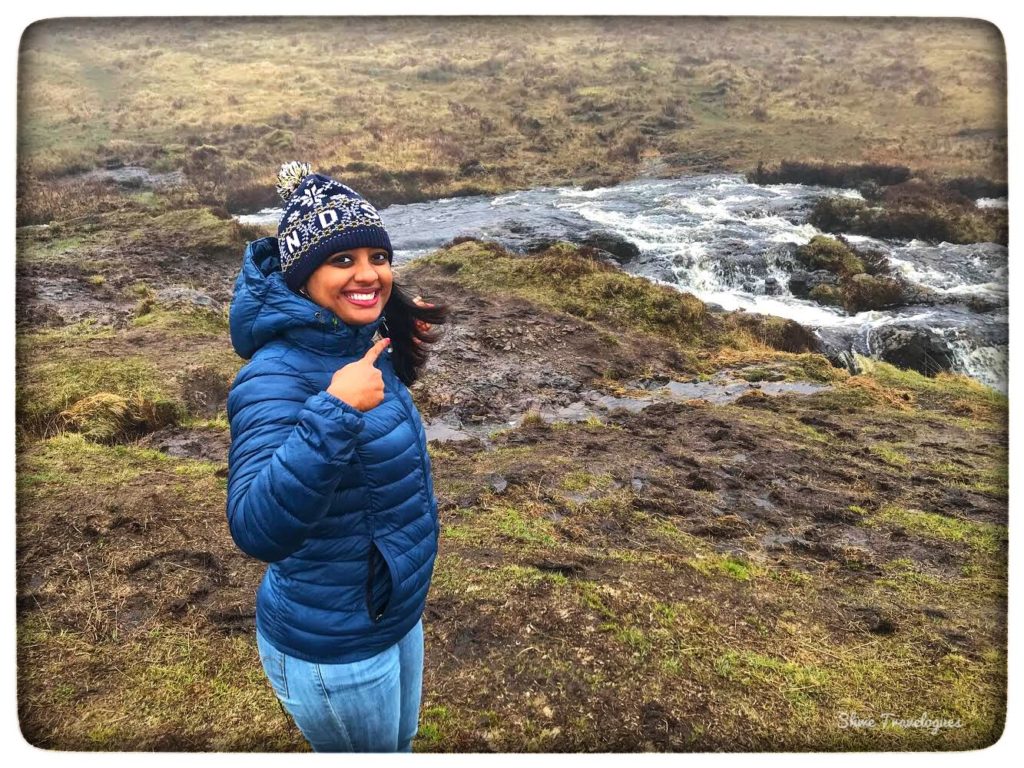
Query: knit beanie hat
(322, 216)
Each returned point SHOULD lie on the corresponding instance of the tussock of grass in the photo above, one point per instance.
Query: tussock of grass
(107, 418)
(195, 229)
(943, 388)
(101, 396)
(830, 254)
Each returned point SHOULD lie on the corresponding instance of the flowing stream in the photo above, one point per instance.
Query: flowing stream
(731, 243)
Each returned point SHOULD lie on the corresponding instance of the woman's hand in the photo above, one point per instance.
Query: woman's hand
(360, 384)
(421, 325)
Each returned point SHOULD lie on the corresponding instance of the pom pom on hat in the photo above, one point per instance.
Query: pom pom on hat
(290, 176)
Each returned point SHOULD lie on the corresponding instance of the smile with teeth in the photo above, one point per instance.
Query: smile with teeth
(365, 298)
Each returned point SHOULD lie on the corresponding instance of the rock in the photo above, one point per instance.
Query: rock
(863, 292)
(613, 243)
(919, 349)
(983, 304)
(802, 281)
(845, 359)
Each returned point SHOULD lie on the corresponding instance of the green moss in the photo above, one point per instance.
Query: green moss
(667, 530)
(160, 677)
(808, 432)
(829, 295)
(796, 682)
(865, 292)
(33, 249)
(70, 460)
(761, 374)
(436, 724)
(219, 422)
(829, 254)
(581, 480)
(813, 367)
(69, 335)
(521, 526)
(590, 595)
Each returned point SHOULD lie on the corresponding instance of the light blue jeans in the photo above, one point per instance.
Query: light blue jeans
(364, 706)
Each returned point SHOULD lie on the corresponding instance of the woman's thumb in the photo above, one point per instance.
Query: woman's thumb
(374, 352)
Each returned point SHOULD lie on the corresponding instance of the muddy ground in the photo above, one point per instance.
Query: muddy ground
(621, 568)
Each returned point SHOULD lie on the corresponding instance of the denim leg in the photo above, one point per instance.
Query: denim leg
(410, 650)
(339, 707)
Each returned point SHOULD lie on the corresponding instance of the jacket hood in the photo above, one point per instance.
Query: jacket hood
(264, 308)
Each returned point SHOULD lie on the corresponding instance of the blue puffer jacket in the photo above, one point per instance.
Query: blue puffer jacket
(340, 502)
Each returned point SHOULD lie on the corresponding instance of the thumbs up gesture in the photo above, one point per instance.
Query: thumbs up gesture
(360, 384)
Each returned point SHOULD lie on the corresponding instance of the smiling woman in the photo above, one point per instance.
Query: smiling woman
(329, 479)
(354, 284)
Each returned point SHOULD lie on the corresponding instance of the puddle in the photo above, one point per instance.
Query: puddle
(728, 390)
(593, 404)
(181, 442)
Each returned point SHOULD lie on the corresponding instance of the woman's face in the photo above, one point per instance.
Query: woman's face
(354, 284)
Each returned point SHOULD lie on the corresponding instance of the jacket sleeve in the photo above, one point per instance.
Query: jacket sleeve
(289, 452)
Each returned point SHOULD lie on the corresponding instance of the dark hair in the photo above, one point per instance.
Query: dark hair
(400, 315)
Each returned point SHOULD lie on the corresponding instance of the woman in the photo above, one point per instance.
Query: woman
(329, 478)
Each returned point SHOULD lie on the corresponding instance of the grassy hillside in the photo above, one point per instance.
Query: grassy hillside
(417, 108)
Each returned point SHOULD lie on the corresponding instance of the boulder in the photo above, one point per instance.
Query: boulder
(918, 348)
(802, 282)
(615, 244)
